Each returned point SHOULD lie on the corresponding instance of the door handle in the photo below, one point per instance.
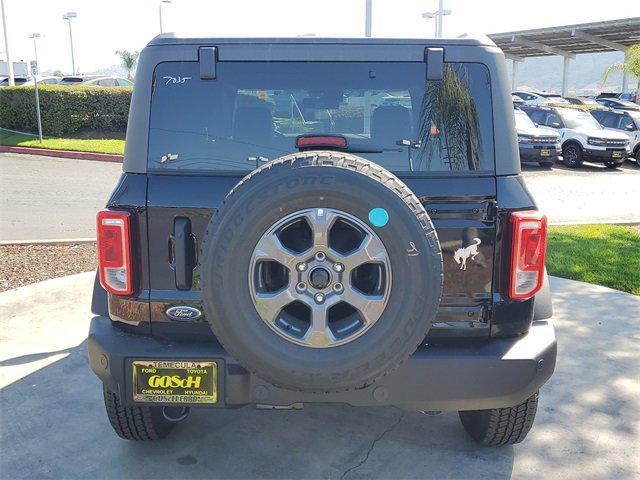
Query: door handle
(183, 253)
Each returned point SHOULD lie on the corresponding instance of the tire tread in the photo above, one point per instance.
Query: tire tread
(133, 423)
(501, 426)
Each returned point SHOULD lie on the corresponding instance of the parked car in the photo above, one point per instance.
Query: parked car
(539, 98)
(76, 79)
(607, 95)
(221, 285)
(517, 101)
(583, 138)
(540, 145)
(96, 81)
(629, 96)
(18, 81)
(108, 82)
(583, 101)
(618, 104)
(625, 121)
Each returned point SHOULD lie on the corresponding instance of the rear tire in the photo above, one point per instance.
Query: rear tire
(501, 426)
(572, 155)
(136, 423)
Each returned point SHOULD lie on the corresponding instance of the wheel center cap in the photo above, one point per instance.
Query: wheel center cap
(320, 278)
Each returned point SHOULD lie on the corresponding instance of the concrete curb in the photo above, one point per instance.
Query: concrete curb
(61, 241)
(101, 157)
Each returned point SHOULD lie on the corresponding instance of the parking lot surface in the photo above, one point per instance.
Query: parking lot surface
(45, 198)
(590, 194)
(53, 424)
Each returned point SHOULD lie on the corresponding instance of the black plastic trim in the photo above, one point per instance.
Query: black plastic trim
(489, 374)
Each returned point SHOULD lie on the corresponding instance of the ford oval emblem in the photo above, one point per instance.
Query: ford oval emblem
(183, 313)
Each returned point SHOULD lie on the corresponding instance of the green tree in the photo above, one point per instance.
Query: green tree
(129, 61)
(630, 64)
(58, 73)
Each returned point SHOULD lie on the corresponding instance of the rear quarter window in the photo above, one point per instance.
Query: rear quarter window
(258, 109)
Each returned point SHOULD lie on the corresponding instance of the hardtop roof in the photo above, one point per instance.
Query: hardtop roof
(174, 39)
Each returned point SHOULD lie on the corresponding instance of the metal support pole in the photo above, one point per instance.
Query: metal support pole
(160, 15)
(565, 74)
(35, 51)
(514, 70)
(6, 46)
(439, 18)
(367, 94)
(367, 20)
(625, 78)
(73, 61)
(34, 72)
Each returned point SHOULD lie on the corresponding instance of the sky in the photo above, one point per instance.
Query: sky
(102, 27)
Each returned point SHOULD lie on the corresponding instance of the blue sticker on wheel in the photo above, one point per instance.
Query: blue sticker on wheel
(378, 217)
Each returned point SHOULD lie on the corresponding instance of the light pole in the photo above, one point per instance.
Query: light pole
(34, 71)
(367, 93)
(160, 11)
(367, 18)
(438, 14)
(35, 36)
(6, 46)
(68, 16)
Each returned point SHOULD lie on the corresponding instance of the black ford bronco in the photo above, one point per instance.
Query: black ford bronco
(322, 221)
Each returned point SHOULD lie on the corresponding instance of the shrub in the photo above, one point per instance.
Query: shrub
(64, 109)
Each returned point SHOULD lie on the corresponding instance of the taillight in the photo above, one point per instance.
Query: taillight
(114, 251)
(528, 249)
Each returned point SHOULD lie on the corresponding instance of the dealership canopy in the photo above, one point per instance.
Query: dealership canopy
(568, 41)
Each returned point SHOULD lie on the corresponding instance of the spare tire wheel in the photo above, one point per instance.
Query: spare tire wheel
(321, 272)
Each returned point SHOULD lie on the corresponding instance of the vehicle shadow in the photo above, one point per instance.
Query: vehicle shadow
(53, 425)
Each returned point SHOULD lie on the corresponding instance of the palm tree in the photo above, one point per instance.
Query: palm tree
(630, 64)
(129, 61)
(449, 127)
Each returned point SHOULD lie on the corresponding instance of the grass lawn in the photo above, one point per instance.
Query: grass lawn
(606, 255)
(86, 142)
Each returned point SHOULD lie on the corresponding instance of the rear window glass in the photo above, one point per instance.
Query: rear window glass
(258, 109)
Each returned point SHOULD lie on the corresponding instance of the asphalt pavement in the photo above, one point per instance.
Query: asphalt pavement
(43, 198)
(53, 424)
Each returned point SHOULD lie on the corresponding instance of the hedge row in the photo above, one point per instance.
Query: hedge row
(65, 110)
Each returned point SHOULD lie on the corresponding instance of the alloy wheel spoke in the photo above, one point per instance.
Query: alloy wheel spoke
(319, 334)
(369, 306)
(371, 250)
(320, 220)
(269, 305)
(270, 248)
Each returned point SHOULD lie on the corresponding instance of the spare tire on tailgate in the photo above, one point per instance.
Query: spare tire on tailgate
(321, 272)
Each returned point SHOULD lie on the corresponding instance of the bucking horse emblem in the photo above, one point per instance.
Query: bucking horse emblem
(461, 255)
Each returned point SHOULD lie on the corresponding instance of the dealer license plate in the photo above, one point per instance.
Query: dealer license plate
(545, 153)
(616, 154)
(175, 381)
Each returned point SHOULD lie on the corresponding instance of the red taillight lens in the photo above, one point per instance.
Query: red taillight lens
(528, 250)
(114, 251)
(318, 141)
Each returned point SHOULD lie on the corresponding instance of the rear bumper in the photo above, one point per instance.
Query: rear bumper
(492, 374)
